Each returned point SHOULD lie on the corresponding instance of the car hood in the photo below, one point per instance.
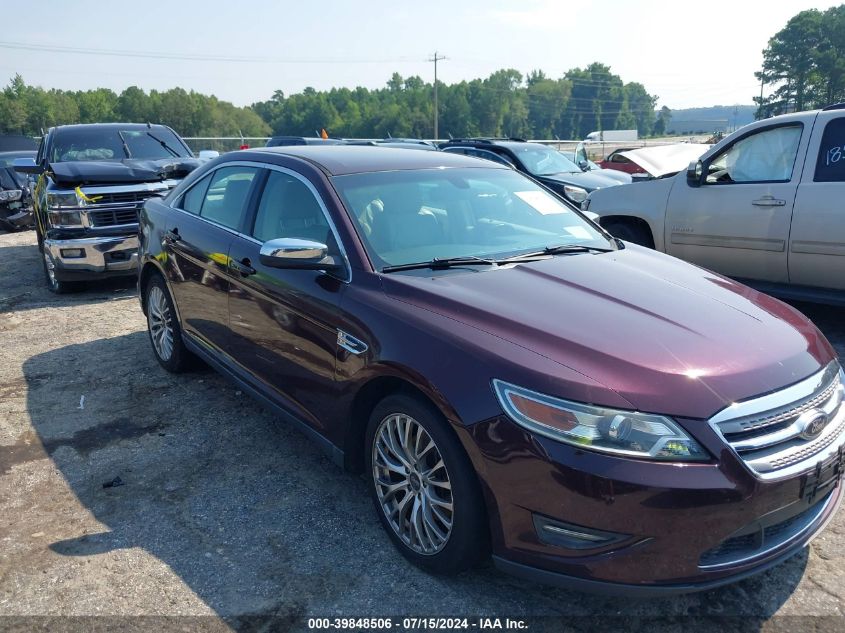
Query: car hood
(121, 171)
(666, 336)
(662, 160)
(585, 179)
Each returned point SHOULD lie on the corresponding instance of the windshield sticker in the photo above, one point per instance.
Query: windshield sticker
(542, 202)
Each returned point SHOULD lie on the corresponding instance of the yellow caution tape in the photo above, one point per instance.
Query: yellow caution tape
(82, 195)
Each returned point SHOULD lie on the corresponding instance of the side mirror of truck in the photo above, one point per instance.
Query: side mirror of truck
(208, 154)
(695, 171)
(26, 166)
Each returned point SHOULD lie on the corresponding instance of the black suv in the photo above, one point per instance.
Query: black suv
(542, 163)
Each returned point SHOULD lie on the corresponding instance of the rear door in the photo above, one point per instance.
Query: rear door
(285, 323)
(197, 240)
(817, 241)
(737, 222)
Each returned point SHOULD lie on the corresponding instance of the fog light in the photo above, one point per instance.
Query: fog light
(560, 534)
(72, 253)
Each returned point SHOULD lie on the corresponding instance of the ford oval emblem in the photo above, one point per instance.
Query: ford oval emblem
(814, 422)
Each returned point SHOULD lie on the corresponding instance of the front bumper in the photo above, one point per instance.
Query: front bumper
(93, 257)
(16, 216)
(674, 521)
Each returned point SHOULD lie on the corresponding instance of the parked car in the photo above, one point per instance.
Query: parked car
(543, 163)
(764, 206)
(92, 180)
(15, 193)
(285, 141)
(585, 164)
(616, 160)
(508, 376)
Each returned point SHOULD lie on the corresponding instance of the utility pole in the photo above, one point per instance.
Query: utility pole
(436, 59)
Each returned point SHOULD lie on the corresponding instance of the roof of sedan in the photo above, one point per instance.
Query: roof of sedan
(339, 160)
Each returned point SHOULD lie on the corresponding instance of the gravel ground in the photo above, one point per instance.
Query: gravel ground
(227, 515)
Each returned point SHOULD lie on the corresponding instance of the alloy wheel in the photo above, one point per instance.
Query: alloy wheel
(160, 322)
(412, 483)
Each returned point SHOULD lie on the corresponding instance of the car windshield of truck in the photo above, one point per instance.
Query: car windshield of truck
(540, 160)
(114, 143)
(413, 216)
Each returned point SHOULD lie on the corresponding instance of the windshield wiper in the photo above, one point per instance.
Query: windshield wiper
(163, 144)
(442, 262)
(558, 250)
(125, 146)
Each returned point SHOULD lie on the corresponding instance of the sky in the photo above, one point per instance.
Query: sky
(244, 50)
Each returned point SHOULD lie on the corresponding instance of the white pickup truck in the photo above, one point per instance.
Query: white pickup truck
(766, 205)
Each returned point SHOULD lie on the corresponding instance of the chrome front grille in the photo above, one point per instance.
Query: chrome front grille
(114, 216)
(790, 430)
(120, 205)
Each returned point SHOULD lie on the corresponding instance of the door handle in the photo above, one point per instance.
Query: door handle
(768, 201)
(244, 267)
(172, 236)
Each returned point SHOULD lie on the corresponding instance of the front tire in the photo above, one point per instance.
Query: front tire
(54, 284)
(424, 488)
(164, 329)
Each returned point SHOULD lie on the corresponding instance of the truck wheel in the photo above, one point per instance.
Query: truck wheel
(629, 232)
(53, 283)
(424, 487)
(164, 329)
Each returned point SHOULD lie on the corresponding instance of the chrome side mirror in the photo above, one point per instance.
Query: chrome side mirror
(295, 253)
(208, 154)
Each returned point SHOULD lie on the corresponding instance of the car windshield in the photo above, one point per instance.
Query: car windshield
(412, 216)
(540, 160)
(114, 143)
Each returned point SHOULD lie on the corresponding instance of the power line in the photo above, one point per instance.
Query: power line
(194, 57)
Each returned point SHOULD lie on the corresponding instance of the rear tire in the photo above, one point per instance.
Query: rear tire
(164, 329)
(424, 488)
(629, 232)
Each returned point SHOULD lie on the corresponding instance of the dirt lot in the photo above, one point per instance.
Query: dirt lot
(225, 512)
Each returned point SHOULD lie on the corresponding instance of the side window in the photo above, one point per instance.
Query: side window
(192, 199)
(226, 196)
(830, 165)
(766, 156)
(288, 208)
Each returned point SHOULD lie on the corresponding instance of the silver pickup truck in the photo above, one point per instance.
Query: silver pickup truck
(766, 205)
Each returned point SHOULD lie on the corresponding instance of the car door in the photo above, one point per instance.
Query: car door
(285, 322)
(817, 240)
(736, 220)
(197, 239)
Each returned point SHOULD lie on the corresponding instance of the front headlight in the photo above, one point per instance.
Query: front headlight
(576, 194)
(10, 195)
(63, 200)
(625, 433)
(64, 219)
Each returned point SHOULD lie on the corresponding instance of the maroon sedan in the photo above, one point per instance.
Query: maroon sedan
(615, 160)
(512, 379)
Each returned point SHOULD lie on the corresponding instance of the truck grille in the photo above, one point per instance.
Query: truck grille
(790, 430)
(113, 217)
(114, 208)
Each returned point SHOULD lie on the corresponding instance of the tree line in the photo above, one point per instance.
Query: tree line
(26, 109)
(507, 103)
(805, 63)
